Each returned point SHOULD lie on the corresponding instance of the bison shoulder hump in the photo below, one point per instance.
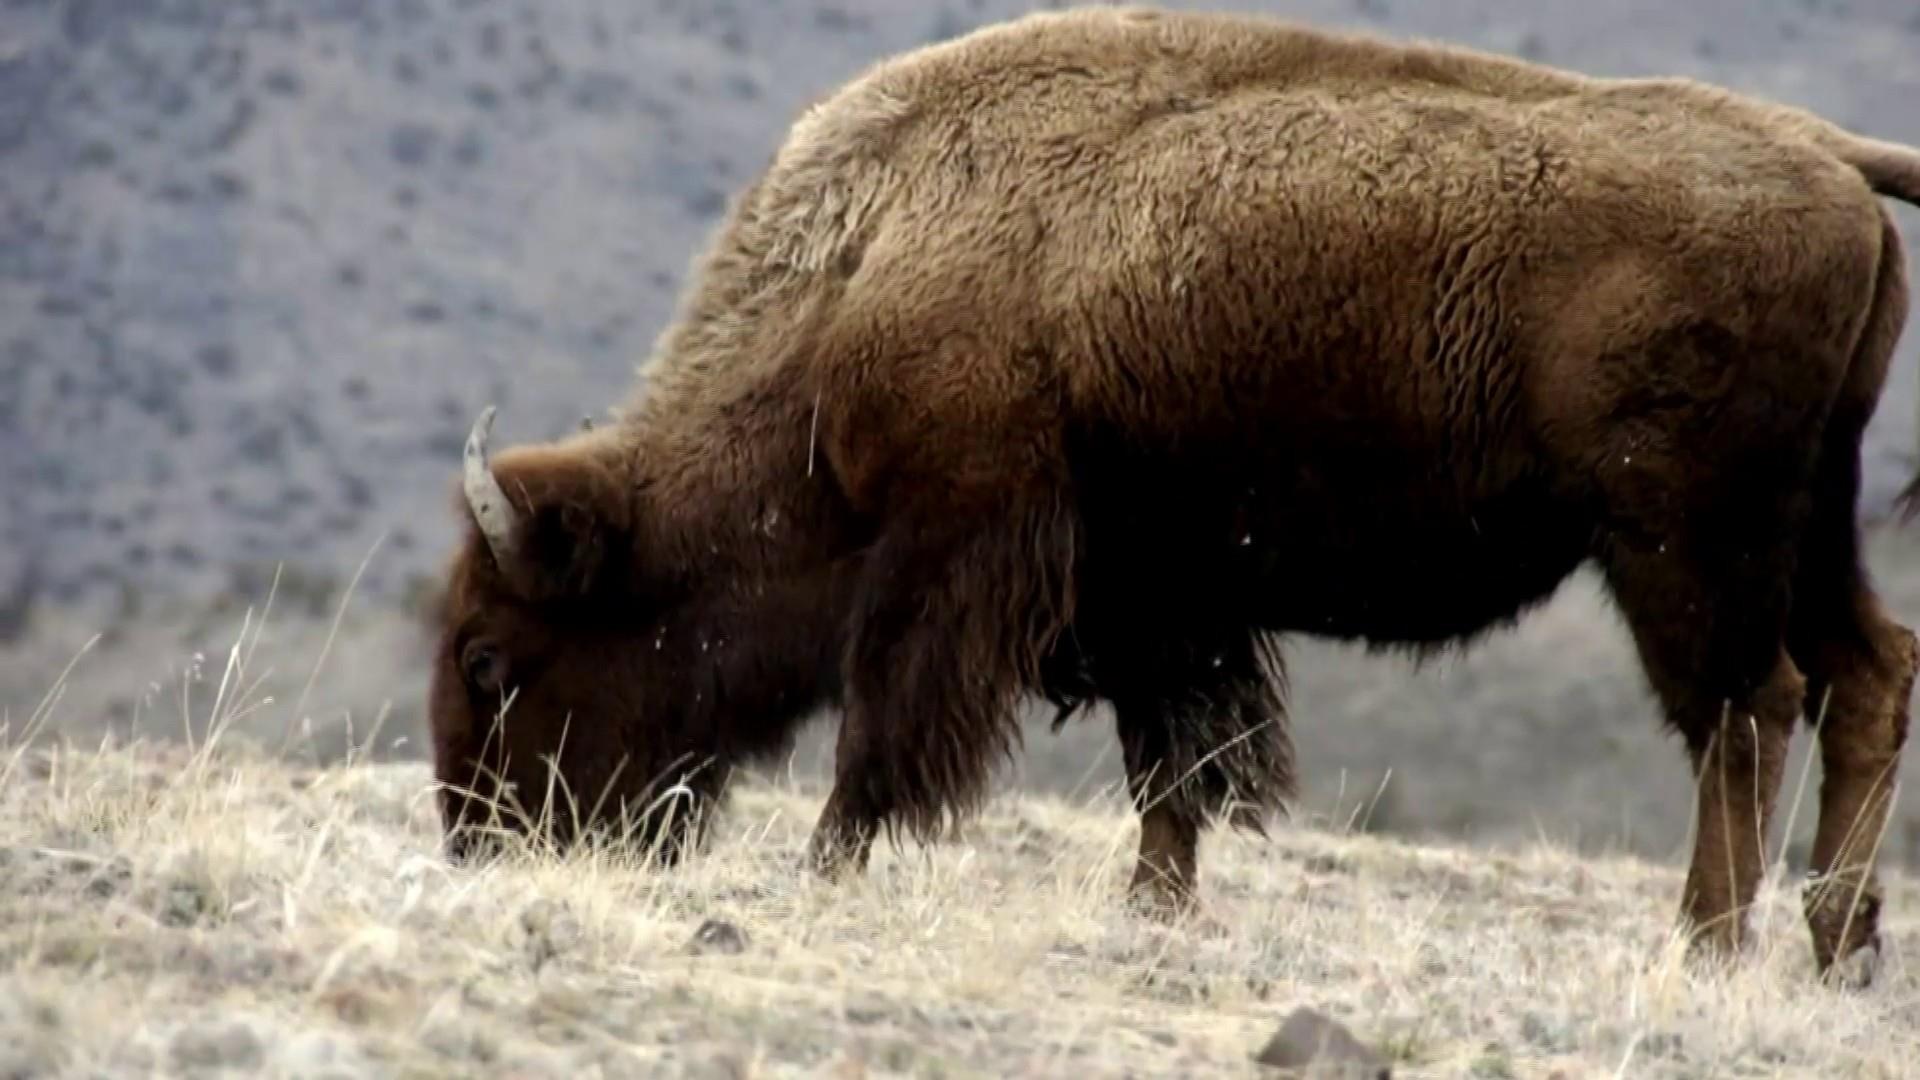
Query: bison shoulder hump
(832, 174)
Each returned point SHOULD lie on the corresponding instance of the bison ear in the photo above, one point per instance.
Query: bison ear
(554, 516)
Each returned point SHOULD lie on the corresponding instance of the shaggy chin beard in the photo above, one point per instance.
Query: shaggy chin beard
(661, 829)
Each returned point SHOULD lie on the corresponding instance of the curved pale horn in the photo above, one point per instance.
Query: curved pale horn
(491, 510)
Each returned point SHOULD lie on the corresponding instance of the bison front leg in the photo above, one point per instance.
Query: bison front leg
(843, 837)
(950, 618)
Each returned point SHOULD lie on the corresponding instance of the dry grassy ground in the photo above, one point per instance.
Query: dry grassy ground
(210, 909)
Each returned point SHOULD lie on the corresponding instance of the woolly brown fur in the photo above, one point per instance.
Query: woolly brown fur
(1088, 354)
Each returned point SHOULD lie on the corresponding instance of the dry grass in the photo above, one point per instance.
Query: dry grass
(187, 909)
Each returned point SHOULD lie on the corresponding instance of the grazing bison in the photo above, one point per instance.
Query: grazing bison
(1086, 355)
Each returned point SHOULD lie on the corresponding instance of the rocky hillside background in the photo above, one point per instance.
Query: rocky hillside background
(261, 262)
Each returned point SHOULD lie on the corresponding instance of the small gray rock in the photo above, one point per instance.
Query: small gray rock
(1067, 951)
(1164, 1038)
(1544, 1033)
(184, 903)
(1327, 864)
(318, 1055)
(867, 1013)
(215, 1044)
(1314, 1044)
(720, 936)
(550, 931)
(1663, 1044)
(722, 1065)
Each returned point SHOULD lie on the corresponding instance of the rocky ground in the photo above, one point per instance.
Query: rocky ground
(217, 912)
(261, 261)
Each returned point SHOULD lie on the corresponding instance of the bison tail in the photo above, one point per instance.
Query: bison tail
(1890, 168)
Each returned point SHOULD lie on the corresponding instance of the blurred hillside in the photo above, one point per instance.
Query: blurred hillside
(262, 261)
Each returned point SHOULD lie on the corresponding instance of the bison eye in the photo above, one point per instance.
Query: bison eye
(485, 668)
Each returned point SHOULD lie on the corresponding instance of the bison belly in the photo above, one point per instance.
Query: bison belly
(1392, 574)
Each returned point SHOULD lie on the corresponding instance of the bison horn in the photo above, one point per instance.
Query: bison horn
(491, 510)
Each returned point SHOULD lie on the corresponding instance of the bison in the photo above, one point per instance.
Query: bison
(1084, 357)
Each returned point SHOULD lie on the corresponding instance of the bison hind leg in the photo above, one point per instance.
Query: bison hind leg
(1860, 662)
(1203, 734)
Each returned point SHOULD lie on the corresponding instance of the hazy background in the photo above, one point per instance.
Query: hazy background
(262, 261)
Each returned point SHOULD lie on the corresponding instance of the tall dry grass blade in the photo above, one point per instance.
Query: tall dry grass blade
(333, 630)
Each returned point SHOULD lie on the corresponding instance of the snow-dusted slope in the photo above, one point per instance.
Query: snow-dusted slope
(260, 263)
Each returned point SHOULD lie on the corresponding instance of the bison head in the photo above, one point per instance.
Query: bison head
(556, 704)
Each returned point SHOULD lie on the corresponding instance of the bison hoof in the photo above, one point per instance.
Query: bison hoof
(1170, 905)
(1856, 970)
(1159, 901)
(826, 864)
(1714, 952)
(834, 859)
(1846, 936)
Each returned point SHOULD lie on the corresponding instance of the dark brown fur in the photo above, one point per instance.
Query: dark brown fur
(1085, 355)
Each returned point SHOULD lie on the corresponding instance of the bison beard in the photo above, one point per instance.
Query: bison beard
(1084, 356)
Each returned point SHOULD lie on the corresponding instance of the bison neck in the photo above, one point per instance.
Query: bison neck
(730, 486)
(758, 656)
(742, 541)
